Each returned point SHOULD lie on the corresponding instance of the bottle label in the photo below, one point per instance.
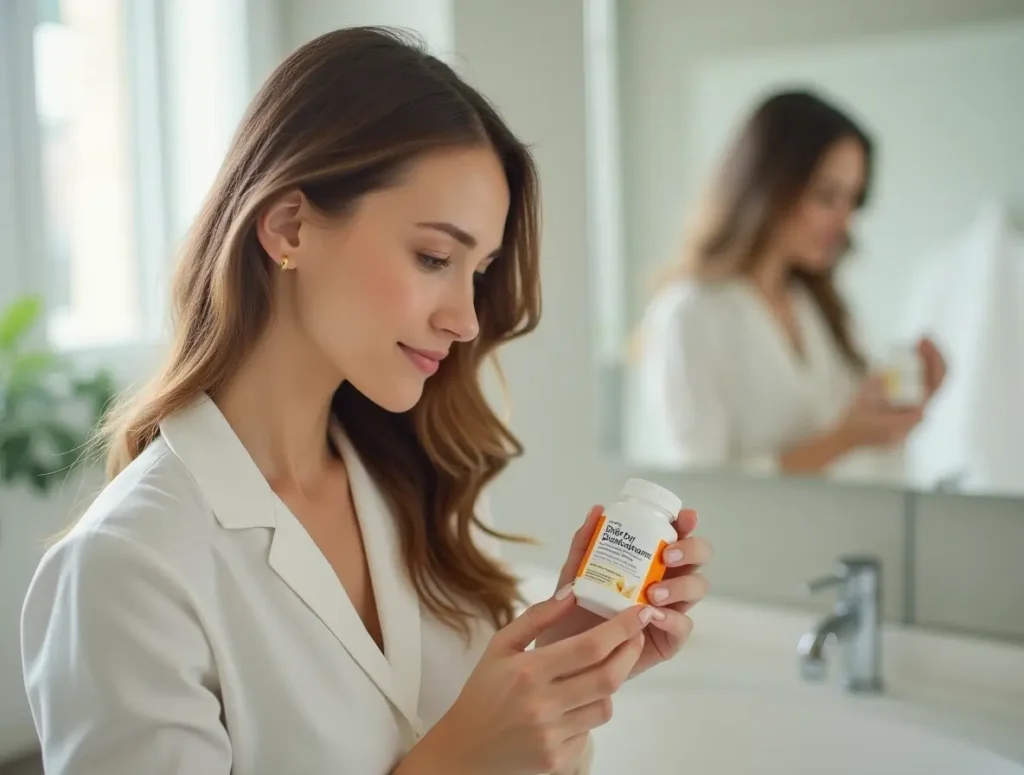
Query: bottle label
(617, 560)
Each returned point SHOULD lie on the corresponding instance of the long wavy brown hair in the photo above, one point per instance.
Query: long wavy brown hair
(339, 118)
(763, 174)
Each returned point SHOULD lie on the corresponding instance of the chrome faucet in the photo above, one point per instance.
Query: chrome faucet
(855, 622)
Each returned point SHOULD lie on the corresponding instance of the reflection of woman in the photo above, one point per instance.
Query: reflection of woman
(747, 352)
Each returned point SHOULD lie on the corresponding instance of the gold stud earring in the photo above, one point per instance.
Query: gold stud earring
(284, 263)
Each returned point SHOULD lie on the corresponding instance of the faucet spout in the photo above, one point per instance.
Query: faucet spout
(855, 622)
(811, 646)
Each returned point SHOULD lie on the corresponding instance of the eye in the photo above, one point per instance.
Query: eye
(433, 263)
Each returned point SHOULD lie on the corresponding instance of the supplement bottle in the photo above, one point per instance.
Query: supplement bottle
(903, 376)
(624, 555)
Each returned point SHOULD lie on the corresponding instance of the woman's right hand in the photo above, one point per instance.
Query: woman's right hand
(525, 712)
(871, 421)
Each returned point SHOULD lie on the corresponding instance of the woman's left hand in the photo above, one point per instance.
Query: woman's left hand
(682, 588)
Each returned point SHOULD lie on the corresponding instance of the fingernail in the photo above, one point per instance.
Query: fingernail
(673, 556)
(661, 622)
(648, 613)
(564, 592)
(658, 594)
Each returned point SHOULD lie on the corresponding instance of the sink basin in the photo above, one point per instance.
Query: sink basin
(733, 702)
(668, 728)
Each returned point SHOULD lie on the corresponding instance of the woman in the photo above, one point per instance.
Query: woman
(290, 569)
(747, 353)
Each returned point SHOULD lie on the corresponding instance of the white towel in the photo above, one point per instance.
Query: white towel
(969, 300)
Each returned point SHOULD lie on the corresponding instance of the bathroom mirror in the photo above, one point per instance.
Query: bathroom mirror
(806, 234)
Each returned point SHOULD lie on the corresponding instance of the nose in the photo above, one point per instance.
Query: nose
(849, 210)
(457, 315)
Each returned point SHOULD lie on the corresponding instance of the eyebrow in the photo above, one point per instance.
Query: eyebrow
(459, 235)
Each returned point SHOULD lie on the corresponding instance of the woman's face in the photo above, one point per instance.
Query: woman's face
(818, 229)
(382, 294)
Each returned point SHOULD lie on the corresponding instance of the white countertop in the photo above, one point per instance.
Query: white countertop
(958, 688)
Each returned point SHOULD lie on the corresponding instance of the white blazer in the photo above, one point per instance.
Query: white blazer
(189, 625)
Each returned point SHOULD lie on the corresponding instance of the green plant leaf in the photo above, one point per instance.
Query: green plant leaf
(15, 455)
(48, 409)
(42, 479)
(31, 366)
(98, 390)
(17, 320)
(67, 444)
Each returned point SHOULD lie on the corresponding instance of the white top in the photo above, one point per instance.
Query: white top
(719, 383)
(189, 625)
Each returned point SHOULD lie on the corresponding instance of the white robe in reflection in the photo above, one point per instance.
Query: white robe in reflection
(718, 384)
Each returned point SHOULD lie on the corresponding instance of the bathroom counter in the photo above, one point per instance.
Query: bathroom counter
(955, 691)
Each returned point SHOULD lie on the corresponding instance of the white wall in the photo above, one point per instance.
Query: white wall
(303, 20)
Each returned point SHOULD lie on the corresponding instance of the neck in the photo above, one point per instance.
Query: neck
(279, 405)
(770, 275)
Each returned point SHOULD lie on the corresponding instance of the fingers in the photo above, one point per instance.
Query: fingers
(929, 356)
(518, 634)
(903, 421)
(604, 679)
(927, 348)
(571, 751)
(690, 588)
(675, 629)
(580, 543)
(584, 719)
(872, 390)
(686, 522)
(693, 550)
(592, 647)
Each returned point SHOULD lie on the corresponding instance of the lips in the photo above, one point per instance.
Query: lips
(427, 361)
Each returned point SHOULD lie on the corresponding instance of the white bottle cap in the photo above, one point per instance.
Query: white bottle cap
(656, 494)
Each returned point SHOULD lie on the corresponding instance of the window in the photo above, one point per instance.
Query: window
(85, 141)
(116, 115)
(608, 287)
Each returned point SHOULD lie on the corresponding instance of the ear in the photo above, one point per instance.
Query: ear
(278, 227)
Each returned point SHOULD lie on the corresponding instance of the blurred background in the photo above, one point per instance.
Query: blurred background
(116, 113)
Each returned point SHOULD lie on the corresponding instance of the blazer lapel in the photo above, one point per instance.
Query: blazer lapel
(295, 557)
(398, 604)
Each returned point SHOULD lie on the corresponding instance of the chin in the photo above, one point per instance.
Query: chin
(816, 264)
(397, 396)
